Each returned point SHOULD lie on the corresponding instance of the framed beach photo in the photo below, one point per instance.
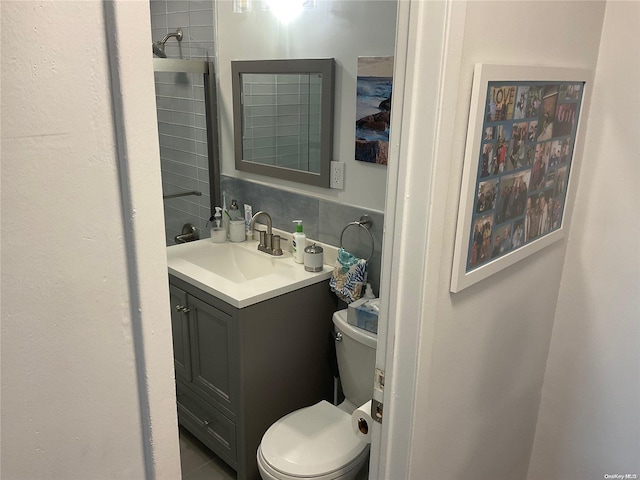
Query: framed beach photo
(523, 140)
(373, 109)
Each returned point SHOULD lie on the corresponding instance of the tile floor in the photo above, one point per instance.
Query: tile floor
(200, 463)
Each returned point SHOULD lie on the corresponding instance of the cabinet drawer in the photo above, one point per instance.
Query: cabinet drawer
(214, 429)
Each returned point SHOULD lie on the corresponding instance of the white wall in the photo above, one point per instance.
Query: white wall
(343, 30)
(589, 420)
(76, 323)
(482, 352)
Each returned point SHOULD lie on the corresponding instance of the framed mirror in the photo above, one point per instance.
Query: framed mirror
(283, 118)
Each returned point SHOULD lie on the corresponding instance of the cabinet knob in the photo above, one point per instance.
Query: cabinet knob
(207, 423)
(185, 310)
(179, 308)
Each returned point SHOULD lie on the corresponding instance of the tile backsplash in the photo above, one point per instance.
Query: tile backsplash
(323, 220)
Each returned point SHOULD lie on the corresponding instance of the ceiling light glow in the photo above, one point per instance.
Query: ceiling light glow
(286, 10)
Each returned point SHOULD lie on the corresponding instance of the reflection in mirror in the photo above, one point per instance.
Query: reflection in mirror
(283, 118)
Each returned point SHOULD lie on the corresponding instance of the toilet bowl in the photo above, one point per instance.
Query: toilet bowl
(318, 442)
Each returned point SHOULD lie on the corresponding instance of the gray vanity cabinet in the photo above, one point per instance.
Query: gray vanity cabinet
(240, 370)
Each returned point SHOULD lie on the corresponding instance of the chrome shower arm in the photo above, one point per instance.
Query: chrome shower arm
(177, 35)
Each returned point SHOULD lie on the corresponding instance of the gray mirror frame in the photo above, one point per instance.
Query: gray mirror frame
(325, 66)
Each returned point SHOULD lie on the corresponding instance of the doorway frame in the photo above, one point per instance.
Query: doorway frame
(428, 61)
(429, 39)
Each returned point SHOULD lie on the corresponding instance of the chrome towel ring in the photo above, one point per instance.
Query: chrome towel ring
(365, 222)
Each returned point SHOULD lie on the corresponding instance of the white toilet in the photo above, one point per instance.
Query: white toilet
(318, 442)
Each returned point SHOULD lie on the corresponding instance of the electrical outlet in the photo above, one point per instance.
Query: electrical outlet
(337, 175)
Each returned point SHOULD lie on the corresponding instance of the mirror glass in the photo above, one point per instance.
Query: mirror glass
(283, 118)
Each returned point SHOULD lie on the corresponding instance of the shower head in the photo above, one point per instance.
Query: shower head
(158, 47)
(158, 50)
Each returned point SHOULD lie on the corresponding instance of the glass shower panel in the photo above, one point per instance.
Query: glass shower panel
(185, 152)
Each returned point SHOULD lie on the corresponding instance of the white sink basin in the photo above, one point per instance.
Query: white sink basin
(238, 273)
(232, 262)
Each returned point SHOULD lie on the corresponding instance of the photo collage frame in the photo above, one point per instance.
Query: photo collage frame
(519, 169)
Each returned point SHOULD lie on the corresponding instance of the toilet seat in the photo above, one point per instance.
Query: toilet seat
(267, 472)
(313, 442)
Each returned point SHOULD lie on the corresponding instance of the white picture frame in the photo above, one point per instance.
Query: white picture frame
(524, 141)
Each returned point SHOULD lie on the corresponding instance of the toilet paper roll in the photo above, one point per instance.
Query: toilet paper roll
(362, 423)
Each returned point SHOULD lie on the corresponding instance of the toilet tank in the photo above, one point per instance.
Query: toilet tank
(356, 353)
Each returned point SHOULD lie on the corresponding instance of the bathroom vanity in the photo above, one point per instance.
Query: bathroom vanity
(241, 364)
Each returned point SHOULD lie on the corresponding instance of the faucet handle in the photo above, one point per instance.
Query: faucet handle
(263, 236)
(277, 251)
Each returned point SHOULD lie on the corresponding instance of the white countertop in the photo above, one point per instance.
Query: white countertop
(238, 273)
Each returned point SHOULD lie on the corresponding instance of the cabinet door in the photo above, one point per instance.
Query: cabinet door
(180, 330)
(212, 352)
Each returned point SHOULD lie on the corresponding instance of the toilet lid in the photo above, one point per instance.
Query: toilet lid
(312, 441)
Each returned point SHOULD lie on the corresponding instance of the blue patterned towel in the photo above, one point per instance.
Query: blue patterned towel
(349, 276)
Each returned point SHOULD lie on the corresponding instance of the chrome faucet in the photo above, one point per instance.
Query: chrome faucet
(269, 243)
(189, 234)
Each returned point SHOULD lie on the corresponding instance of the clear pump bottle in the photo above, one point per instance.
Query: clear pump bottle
(218, 232)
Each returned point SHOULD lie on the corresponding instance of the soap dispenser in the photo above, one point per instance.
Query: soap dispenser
(218, 232)
(298, 242)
